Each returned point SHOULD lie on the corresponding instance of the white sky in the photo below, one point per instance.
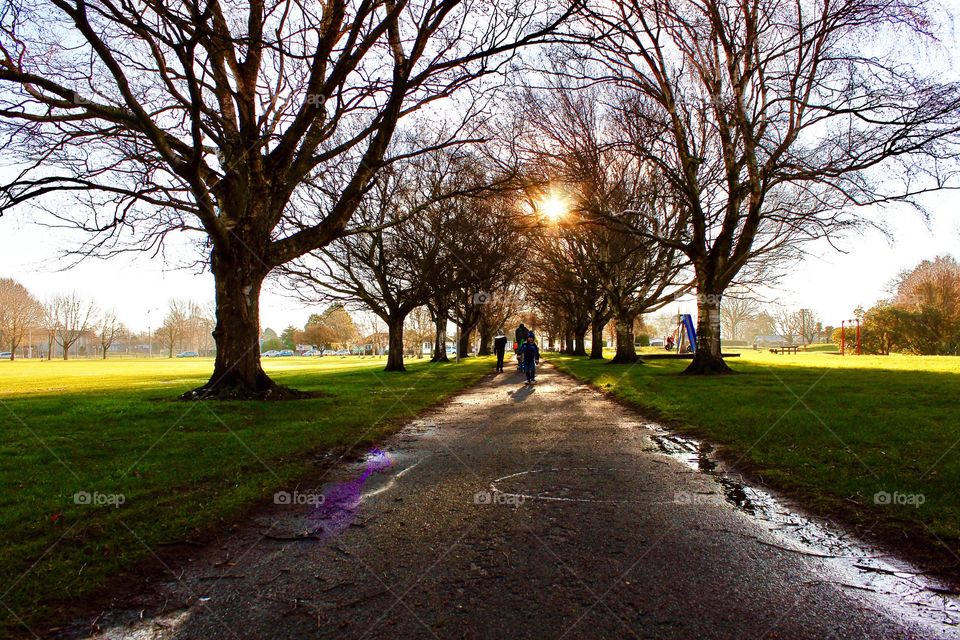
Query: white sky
(830, 283)
(833, 283)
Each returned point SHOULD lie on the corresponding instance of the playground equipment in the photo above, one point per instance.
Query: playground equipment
(684, 336)
(843, 335)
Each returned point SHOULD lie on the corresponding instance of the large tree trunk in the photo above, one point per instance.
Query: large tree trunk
(596, 338)
(468, 323)
(440, 341)
(708, 358)
(466, 335)
(580, 338)
(395, 352)
(568, 346)
(237, 374)
(486, 337)
(626, 346)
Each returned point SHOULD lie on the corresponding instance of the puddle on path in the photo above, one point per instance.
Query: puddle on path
(905, 590)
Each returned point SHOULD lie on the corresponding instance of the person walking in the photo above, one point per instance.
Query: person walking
(520, 335)
(500, 348)
(529, 354)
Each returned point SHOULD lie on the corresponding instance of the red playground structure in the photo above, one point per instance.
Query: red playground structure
(843, 335)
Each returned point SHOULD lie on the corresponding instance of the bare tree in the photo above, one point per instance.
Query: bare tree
(504, 303)
(19, 313)
(736, 310)
(662, 324)
(175, 325)
(761, 324)
(577, 140)
(566, 283)
(798, 323)
(202, 322)
(785, 321)
(108, 329)
(211, 117)
(388, 263)
(771, 124)
(484, 261)
(419, 331)
(48, 323)
(72, 317)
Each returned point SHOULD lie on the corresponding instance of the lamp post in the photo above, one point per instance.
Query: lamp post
(149, 336)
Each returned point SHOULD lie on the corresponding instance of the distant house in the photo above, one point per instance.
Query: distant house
(771, 341)
(427, 347)
(375, 344)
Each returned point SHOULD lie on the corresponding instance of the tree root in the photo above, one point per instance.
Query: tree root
(270, 392)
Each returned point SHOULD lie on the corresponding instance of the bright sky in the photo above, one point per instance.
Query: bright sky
(831, 283)
(138, 287)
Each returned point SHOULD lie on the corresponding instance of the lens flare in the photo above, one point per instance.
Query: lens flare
(553, 207)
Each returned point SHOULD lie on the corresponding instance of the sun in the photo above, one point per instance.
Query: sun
(553, 207)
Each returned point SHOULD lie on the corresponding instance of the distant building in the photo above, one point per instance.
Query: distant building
(427, 347)
(374, 344)
(771, 341)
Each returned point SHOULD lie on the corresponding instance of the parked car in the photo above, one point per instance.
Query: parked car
(329, 352)
(656, 342)
(273, 353)
(285, 353)
(188, 354)
(343, 352)
(6, 355)
(313, 352)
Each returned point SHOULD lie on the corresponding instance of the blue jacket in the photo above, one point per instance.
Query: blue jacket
(529, 353)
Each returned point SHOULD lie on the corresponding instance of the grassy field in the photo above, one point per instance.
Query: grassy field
(113, 431)
(831, 431)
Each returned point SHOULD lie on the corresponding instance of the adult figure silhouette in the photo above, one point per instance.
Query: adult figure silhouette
(500, 348)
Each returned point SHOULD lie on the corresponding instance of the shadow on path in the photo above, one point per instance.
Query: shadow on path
(563, 520)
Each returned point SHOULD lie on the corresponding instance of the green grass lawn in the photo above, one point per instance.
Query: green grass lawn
(115, 428)
(832, 431)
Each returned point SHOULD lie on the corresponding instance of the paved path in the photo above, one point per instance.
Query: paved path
(615, 539)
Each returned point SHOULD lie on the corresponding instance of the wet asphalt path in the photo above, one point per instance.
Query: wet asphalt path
(514, 512)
